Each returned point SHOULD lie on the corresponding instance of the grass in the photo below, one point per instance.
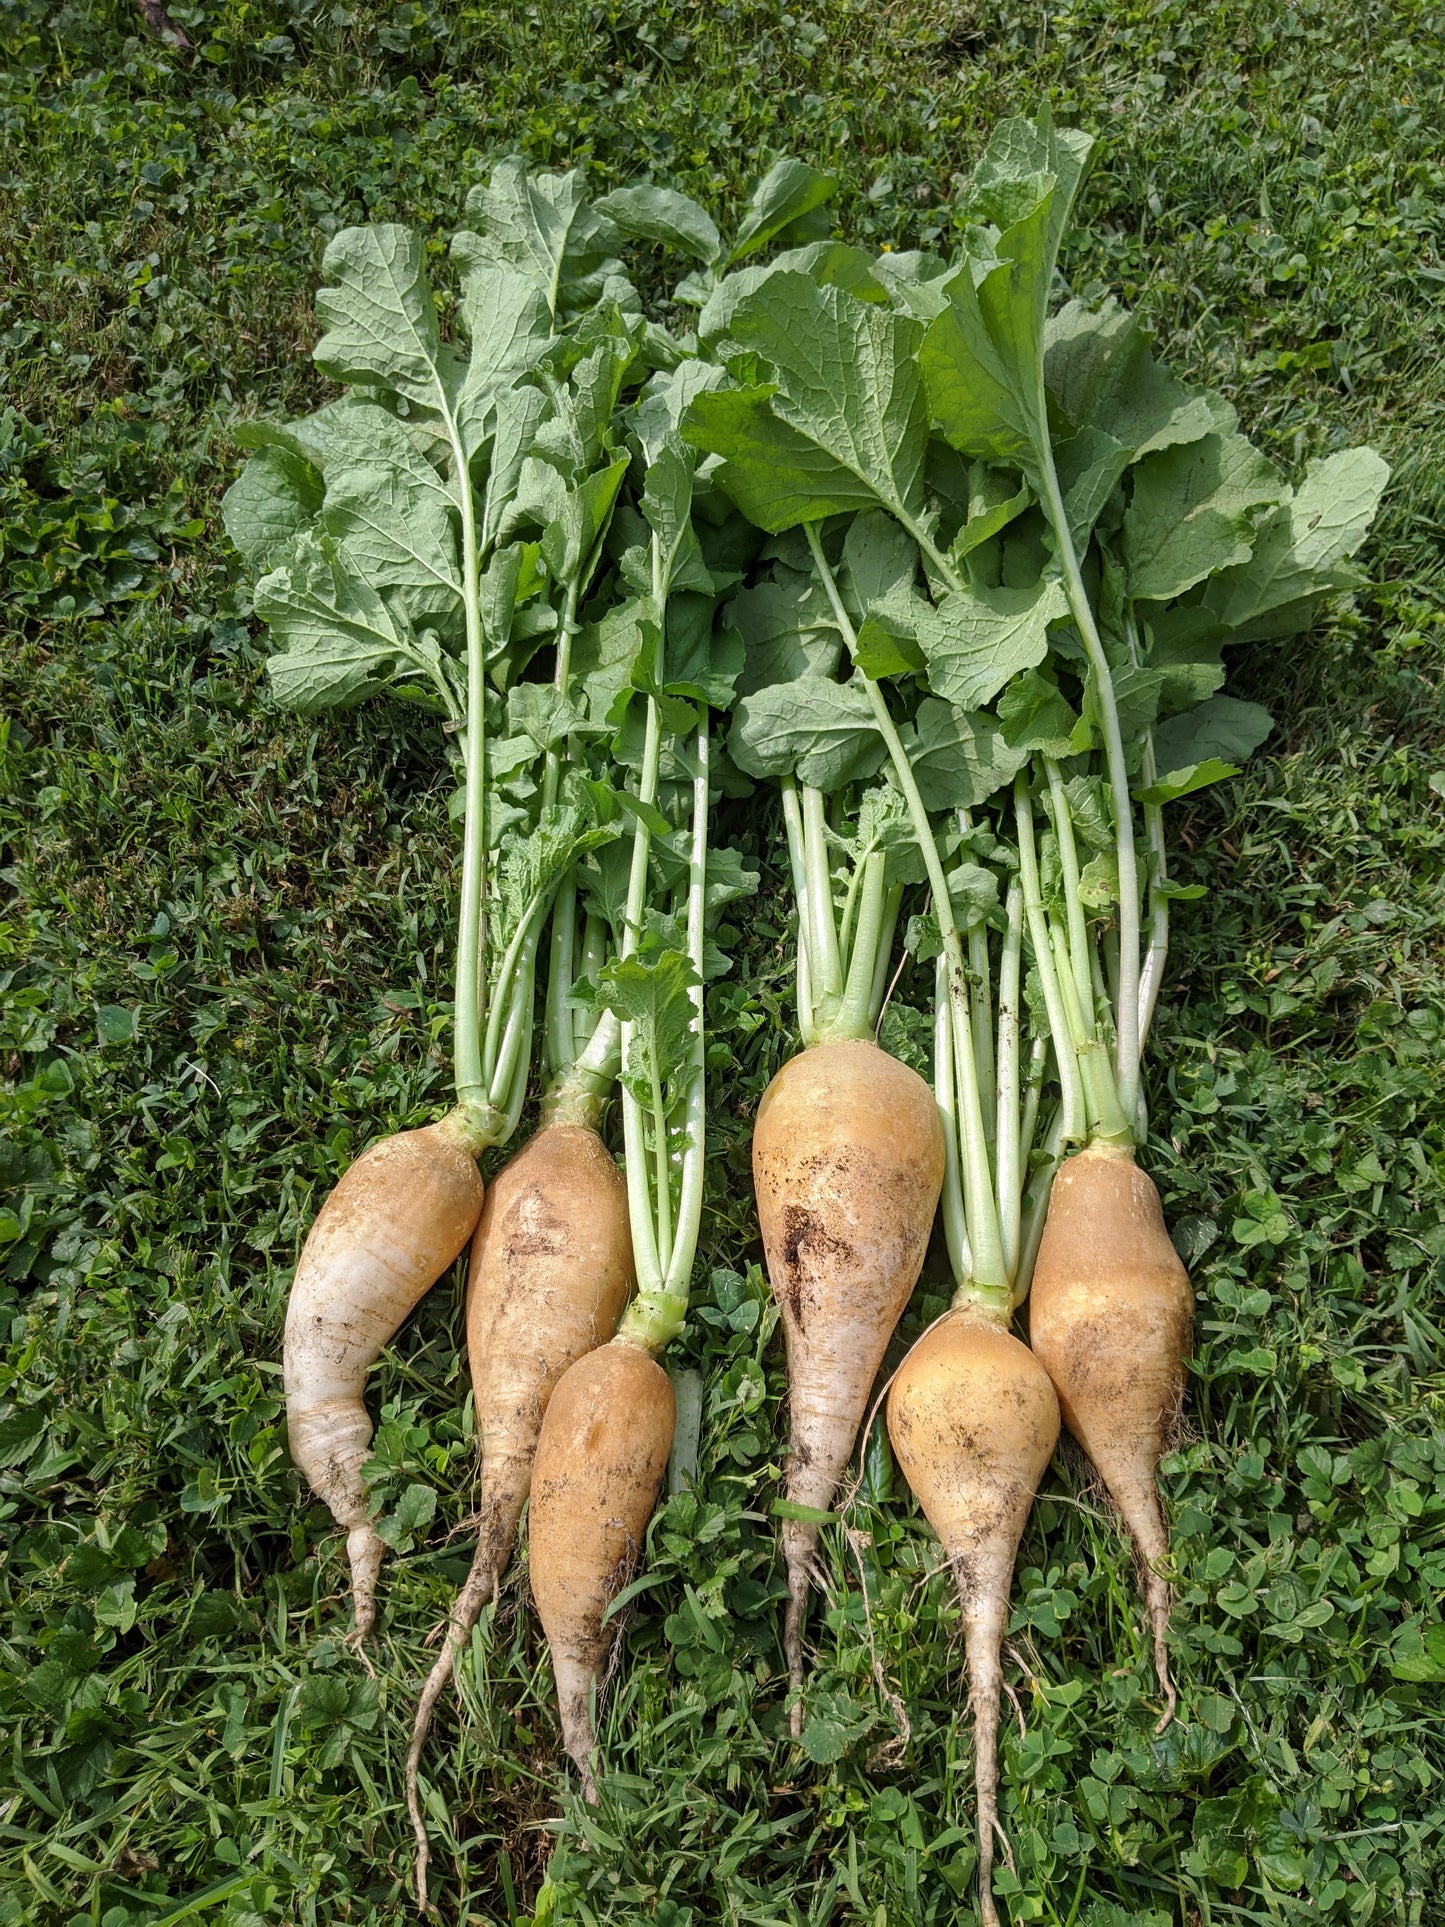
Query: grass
(223, 944)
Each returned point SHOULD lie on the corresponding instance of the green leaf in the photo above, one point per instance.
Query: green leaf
(397, 534)
(993, 504)
(667, 508)
(338, 638)
(582, 515)
(274, 497)
(1192, 513)
(542, 227)
(1183, 782)
(654, 995)
(788, 630)
(1036, 717)
(880, 561)
(1299, 549)
(959, 759)
(20, 1434)
(729, 880)
(977, 639)
(821, 732)
(1222, 728)
(507, 322)
(1099, 881)
(1121, 403)
(835, 1724)
(701, 662)
(649, 213)
(541, 713)
(115, 1024)
(516, 415)
(532, 866)
(881, 651)
(787, 192)
(604, 656)
(844, 427)
(379, 314)
(828, 264)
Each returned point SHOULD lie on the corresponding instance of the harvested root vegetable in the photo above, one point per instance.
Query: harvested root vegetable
(551, 1270)
(398, 1217)
(598, 1473)
(847, 1165)
(973, 1419)
(1112, 1320)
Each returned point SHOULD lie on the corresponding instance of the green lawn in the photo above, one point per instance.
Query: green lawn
(223, 970)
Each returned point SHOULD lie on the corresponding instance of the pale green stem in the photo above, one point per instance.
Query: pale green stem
(504, 994)
(1071, 1087)
(978, 1182)
(893, 903)
(1007, 1154)
(826, 965)
(1036, 1209)
(471, 918)
(561, 1033)
(982, 989)
(662, 1176)
(798, 863)
(689, 1209)
(552, 766)
(1033, 1091)
(1151, 977)
(1127, 1053)
(656, 1314)
(955, 1219)
(1079, 945)
(516, 1042)
(594, 955)
(853, 1018)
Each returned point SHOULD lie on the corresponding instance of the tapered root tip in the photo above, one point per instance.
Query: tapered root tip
(574, 1707)
(365, 1552)
(793, 1644)
(481, 1585)
(1156, 1595)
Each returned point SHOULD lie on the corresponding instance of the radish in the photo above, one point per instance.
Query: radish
(608, 1428)
(973, 1420)
(551, 1270)
(401, 1214)
(847, 1164)
(599, 1468)
(1112, 1320)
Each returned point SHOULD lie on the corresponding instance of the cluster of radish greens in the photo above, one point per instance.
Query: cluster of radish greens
(953, 571)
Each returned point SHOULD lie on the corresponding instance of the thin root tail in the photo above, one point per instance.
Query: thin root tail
(793, 1642)
(365, 1552)
(481, 1585)
(1156, 1595)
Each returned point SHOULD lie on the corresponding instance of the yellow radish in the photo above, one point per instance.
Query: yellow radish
(847, 1165)
(551, 1270)
(1112, 1320)
(598, 1472)
(398, 1217)
(973, 1420)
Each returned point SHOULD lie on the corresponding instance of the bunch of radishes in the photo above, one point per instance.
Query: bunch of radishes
(963, 572)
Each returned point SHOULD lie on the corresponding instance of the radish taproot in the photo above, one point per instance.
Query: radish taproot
(400, 1215)
(1111, 1317)
(973, 1421)
(598, 1473)
(847, 1164)
(551, 1270)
